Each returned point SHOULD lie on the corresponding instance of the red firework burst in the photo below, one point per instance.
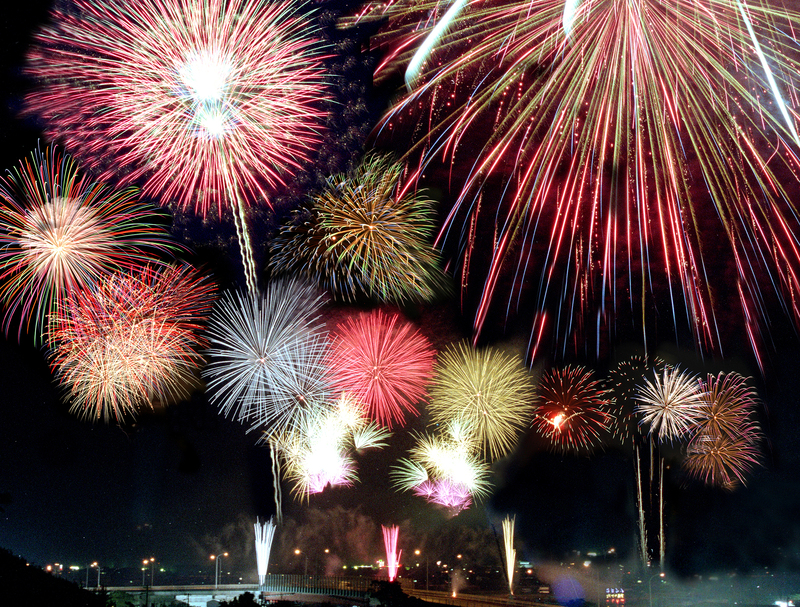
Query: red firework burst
(571, 409)
(383, 362)
(209, 102)
(131, 341)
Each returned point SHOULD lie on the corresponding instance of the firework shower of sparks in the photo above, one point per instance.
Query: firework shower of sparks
(209, 103)
(365, 237)
(392, 553)
(131, 341)
(60, 231)
(488, 390)
(266, 359)
(623, 138)
(509, 552)
(572, 409)
(265, 533)
(383, 362)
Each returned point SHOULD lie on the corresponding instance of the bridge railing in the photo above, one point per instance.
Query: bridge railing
(318, 584)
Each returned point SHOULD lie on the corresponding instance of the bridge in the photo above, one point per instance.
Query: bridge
(295, 588)
(349, 591)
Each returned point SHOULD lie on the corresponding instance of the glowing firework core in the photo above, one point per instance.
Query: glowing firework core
(205, 75)
(61, 227)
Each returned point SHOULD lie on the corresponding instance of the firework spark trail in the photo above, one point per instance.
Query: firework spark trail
(59, 231)
(392, 554)
(267, 355)
(572, 409)
(510, 552)
(131, 340)
(265, 533)
(488, 390)
(211, 103)
(619, 149)
(383, 362)
(415, 65)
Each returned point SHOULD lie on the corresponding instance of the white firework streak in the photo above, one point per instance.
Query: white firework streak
(266, 355)
(671, 404)
(265, 533)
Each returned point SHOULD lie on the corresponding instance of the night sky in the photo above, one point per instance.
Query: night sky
(183, 482)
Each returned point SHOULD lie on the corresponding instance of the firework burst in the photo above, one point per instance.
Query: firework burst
(365, 237)
(670, 404)
(722, 461)
(131, 340)
(725, 446)
(204, 100)
(445, 468)
(489, 391)
(383, 362)
(625, 380)
(619, 140)
(571, 409)
(267, 355)
(318, 449)
(59, 232)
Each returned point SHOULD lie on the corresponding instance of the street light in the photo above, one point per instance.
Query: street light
(87, 574)
(151, 561)
(216, 557)
(297, 551)
(650, 586)
(417, 552)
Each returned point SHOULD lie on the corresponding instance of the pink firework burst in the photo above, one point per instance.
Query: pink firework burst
(60, 231)
(572, 409)
(455, 497)
(383, 362)
(209, 102)
(130, 341)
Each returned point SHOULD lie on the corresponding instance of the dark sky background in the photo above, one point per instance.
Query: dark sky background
(184, 483)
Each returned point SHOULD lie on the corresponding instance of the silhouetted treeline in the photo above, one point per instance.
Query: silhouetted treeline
(25, 585)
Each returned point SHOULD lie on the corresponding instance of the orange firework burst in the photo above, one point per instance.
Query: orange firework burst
(131, 341)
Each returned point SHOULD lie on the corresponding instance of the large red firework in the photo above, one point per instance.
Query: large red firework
(207, 102)
(383, 362)
(131, 341)
(572, 409)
